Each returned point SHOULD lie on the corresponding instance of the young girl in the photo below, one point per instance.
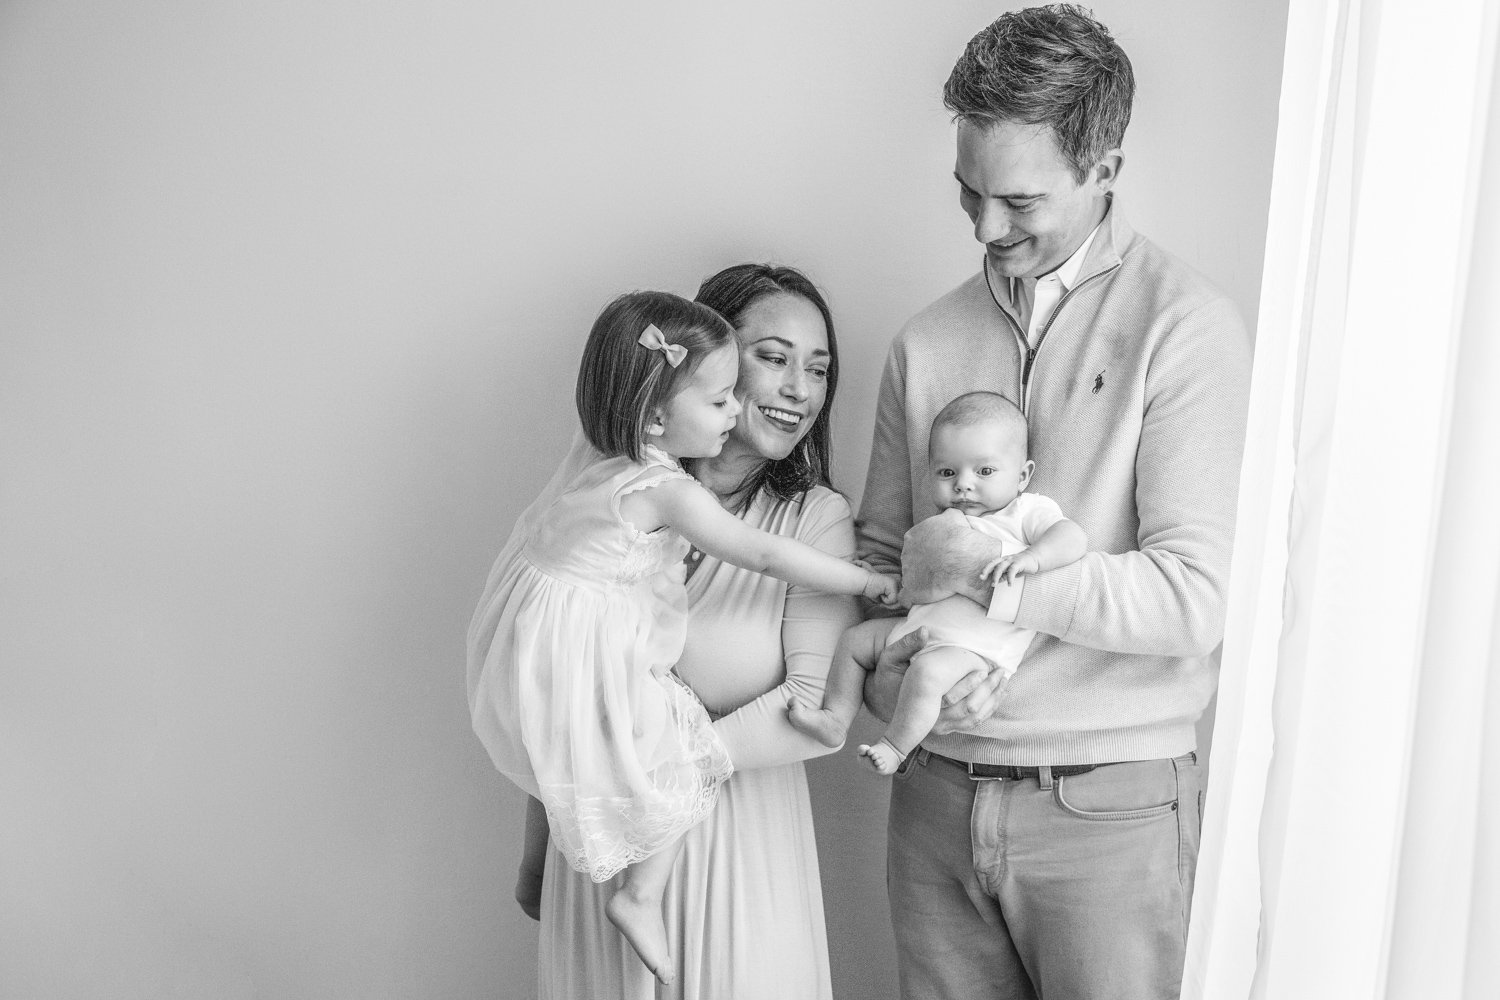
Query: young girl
(576, 700)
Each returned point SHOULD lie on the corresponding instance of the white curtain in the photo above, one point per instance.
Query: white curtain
(1352, 838)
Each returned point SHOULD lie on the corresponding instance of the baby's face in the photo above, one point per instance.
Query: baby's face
(977, 468)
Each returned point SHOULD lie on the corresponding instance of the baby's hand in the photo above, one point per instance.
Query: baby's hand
(1009, 567)
(883, 589)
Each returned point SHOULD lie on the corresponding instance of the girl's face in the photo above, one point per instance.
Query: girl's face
(784, 362)
(697, 420)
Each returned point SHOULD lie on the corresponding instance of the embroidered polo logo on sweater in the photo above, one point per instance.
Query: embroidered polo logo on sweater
(1099, 382)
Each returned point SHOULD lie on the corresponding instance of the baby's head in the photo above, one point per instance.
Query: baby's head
(976, 454)
(658, 369)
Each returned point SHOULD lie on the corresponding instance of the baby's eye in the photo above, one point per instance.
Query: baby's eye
(945, 473)
(987, 470)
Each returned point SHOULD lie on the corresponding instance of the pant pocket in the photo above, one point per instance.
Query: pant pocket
(1120, 792)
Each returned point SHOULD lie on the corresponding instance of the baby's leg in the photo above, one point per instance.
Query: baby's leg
(933, 672)
(636, 910)
(846, 683)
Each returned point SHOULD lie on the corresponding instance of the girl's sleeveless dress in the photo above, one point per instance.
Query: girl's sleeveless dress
(576, 700)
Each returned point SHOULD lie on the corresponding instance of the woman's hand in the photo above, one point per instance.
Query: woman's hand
(533, 860)
(529, 890)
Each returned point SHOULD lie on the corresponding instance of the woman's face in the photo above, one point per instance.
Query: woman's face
(783, 381)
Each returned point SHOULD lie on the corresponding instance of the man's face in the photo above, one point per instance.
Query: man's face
(1020, 194)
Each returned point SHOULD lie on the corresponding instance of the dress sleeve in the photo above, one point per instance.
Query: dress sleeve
(758, 734)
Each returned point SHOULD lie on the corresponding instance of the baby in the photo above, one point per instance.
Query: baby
(977, 465)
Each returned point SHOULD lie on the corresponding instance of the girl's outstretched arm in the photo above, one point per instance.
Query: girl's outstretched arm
(692, 512)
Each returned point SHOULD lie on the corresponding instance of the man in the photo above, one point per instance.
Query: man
(1050, 849)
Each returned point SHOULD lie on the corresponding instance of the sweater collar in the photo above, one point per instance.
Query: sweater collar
(1111, 240)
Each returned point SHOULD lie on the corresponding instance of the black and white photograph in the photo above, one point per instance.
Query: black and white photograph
(691, 500)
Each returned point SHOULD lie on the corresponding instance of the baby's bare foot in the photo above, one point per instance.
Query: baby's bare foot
(641, 922)
(884, 757)
(818, 723)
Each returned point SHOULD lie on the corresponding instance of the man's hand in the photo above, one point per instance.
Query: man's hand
(975, 698)
(883, 682)
(971, 701)
(942, 556)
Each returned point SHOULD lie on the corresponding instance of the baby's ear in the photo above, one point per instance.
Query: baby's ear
(1026, 471)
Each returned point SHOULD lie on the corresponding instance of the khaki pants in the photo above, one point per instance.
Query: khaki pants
(1067, 887)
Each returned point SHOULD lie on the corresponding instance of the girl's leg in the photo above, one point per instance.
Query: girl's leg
(636, 910)
(932, 673)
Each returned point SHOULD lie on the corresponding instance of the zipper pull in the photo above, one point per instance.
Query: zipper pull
(1026, 371)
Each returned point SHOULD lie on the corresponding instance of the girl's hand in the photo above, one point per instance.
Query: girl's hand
(883, 589)
(1009, 567)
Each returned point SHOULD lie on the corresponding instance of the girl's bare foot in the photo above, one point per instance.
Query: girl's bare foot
(818, 723)
(883, 756)
(641, 922)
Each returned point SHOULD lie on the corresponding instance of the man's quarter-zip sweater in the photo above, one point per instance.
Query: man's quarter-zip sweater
(1135, 397)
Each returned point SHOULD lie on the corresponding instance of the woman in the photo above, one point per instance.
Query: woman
(744, 909)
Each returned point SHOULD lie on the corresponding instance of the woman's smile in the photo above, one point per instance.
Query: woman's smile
(785, 420)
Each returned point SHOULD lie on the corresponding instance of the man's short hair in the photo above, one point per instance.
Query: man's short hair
(978, 407)
(1053, 66)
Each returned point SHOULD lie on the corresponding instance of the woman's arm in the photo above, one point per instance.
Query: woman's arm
(758, 734)
(533, 859)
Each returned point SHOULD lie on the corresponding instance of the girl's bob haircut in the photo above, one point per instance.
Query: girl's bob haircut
(621, 384)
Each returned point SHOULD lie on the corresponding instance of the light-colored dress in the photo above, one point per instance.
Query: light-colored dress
(576, 701)
(744, 907)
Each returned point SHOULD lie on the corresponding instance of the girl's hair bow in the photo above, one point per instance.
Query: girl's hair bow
(652, 340)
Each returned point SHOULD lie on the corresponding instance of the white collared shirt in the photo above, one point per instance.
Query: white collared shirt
(1036, 299)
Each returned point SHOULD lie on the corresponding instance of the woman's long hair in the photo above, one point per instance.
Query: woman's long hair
(730, 293)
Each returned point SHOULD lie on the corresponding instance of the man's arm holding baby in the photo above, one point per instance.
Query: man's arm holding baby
(943, 555)
(968, 703)
(938, 560)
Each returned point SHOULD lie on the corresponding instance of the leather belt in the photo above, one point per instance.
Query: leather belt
(1015, 772)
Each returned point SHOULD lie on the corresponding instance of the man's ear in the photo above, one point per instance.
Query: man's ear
(1106, 172)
